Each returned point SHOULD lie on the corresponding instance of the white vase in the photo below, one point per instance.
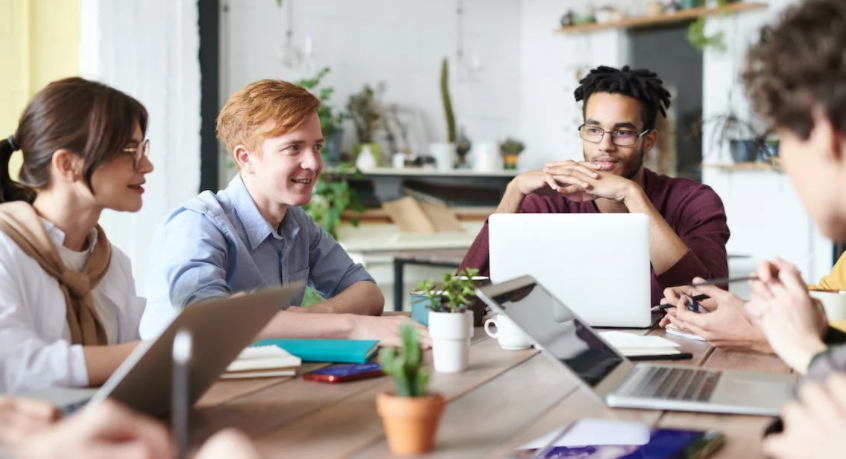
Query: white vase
(366, 159)
(450, 335)
(444, 154)
(486, 157)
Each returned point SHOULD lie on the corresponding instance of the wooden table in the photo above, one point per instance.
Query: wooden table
(503, 400)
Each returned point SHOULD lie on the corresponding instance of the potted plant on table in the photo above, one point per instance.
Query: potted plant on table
(450, 319)
(411, 416)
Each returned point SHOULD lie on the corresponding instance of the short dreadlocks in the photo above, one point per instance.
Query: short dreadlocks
(641, 84)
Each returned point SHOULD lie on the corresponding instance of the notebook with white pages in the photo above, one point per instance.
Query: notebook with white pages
(630, 344)
(262, 362)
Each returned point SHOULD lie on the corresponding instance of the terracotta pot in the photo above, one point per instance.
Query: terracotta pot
(410, 422)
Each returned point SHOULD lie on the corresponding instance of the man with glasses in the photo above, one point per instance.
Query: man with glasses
(687, 228)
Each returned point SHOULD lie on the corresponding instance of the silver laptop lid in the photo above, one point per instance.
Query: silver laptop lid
(220, 330)
(558, 332)
(574, 256)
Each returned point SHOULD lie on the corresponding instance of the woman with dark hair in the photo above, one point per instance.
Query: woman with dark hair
(69, 314)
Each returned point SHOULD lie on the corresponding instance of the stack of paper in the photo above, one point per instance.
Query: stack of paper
(262, 362)
(630, 344)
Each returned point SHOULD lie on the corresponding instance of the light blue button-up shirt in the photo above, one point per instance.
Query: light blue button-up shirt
(219, 244)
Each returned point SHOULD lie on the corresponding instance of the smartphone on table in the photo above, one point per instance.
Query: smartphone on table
(613, 439)
(344, 373)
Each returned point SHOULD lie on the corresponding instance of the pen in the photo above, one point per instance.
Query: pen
(723, 281)
(662, 307)
(679, 356)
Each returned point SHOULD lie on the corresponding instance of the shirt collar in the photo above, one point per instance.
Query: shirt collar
(255, 225)
(58, 236)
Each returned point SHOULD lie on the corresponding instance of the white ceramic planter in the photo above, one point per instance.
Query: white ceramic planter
(450, 335)
(444, 154)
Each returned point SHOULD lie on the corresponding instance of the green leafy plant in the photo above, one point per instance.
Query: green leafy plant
(455, 295)
(696, 36)
(364, 111)
(332, 197)
(329, 119)
(447, 100)
(405, 364)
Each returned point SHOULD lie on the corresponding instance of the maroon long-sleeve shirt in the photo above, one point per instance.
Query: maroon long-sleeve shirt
(692, 209)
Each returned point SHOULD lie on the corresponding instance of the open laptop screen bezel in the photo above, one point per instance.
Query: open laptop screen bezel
(608, 384)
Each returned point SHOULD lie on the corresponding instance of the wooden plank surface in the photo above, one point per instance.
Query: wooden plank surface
(505, 399)
(353, 424)
(476, 423)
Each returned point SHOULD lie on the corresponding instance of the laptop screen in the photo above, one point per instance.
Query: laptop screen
(552, 325)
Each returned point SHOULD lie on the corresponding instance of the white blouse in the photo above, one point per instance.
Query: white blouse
(35, 349)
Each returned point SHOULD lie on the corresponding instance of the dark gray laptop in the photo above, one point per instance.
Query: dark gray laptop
(219, 329)
(575, 347)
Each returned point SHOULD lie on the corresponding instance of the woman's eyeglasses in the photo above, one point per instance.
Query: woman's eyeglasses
(138, 153)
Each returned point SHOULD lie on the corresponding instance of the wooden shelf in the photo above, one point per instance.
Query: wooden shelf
(421, 172)
(743, 166)
(667, 18)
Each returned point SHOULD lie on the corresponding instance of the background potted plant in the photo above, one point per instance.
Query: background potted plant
(331, 121)
(364, 109)
(411, 416)
(444, 152)
(510, 150)
(450, 319)
(745, 144)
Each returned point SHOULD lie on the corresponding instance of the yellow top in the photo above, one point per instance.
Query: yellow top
(834, 281)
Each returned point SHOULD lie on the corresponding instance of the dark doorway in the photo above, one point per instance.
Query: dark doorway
(667, 52)
(209, 17)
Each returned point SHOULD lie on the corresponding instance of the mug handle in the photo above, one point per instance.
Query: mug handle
(488, 328)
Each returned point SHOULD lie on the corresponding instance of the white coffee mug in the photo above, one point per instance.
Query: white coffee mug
(834, 303)
(507, 334)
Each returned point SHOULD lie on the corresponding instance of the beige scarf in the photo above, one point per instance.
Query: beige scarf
(21, 223)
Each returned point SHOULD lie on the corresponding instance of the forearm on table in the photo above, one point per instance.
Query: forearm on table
(299, 325)
(665, 246)
(363, 298)
(102, 361)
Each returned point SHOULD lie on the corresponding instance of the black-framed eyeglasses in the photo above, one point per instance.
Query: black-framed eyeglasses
(619, 137)
(138, 153)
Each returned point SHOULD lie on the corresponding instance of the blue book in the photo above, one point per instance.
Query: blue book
(326, 350)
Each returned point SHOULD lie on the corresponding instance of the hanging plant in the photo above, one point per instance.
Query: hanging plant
(697, 38)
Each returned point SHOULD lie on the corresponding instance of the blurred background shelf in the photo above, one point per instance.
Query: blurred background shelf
(743, 166)
(421, 172)
(667, 18)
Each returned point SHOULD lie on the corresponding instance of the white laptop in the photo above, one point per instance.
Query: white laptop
(576, 348)
(597, 263)
(220, 330)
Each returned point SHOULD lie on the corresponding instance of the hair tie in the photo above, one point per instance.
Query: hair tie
(12, 143)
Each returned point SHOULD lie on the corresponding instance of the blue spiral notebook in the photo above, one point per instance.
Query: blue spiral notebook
(326, 350)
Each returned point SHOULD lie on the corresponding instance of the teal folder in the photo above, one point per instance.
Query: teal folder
(326, 350)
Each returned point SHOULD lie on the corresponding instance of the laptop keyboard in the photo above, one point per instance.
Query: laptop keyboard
(689, 384)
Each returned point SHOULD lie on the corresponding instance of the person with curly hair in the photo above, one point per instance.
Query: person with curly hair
(795, 76)
(687, 222)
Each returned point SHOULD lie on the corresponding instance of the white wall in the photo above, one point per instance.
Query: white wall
(549, 62)
(764, 213)
(400, 42)
(149, 49)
